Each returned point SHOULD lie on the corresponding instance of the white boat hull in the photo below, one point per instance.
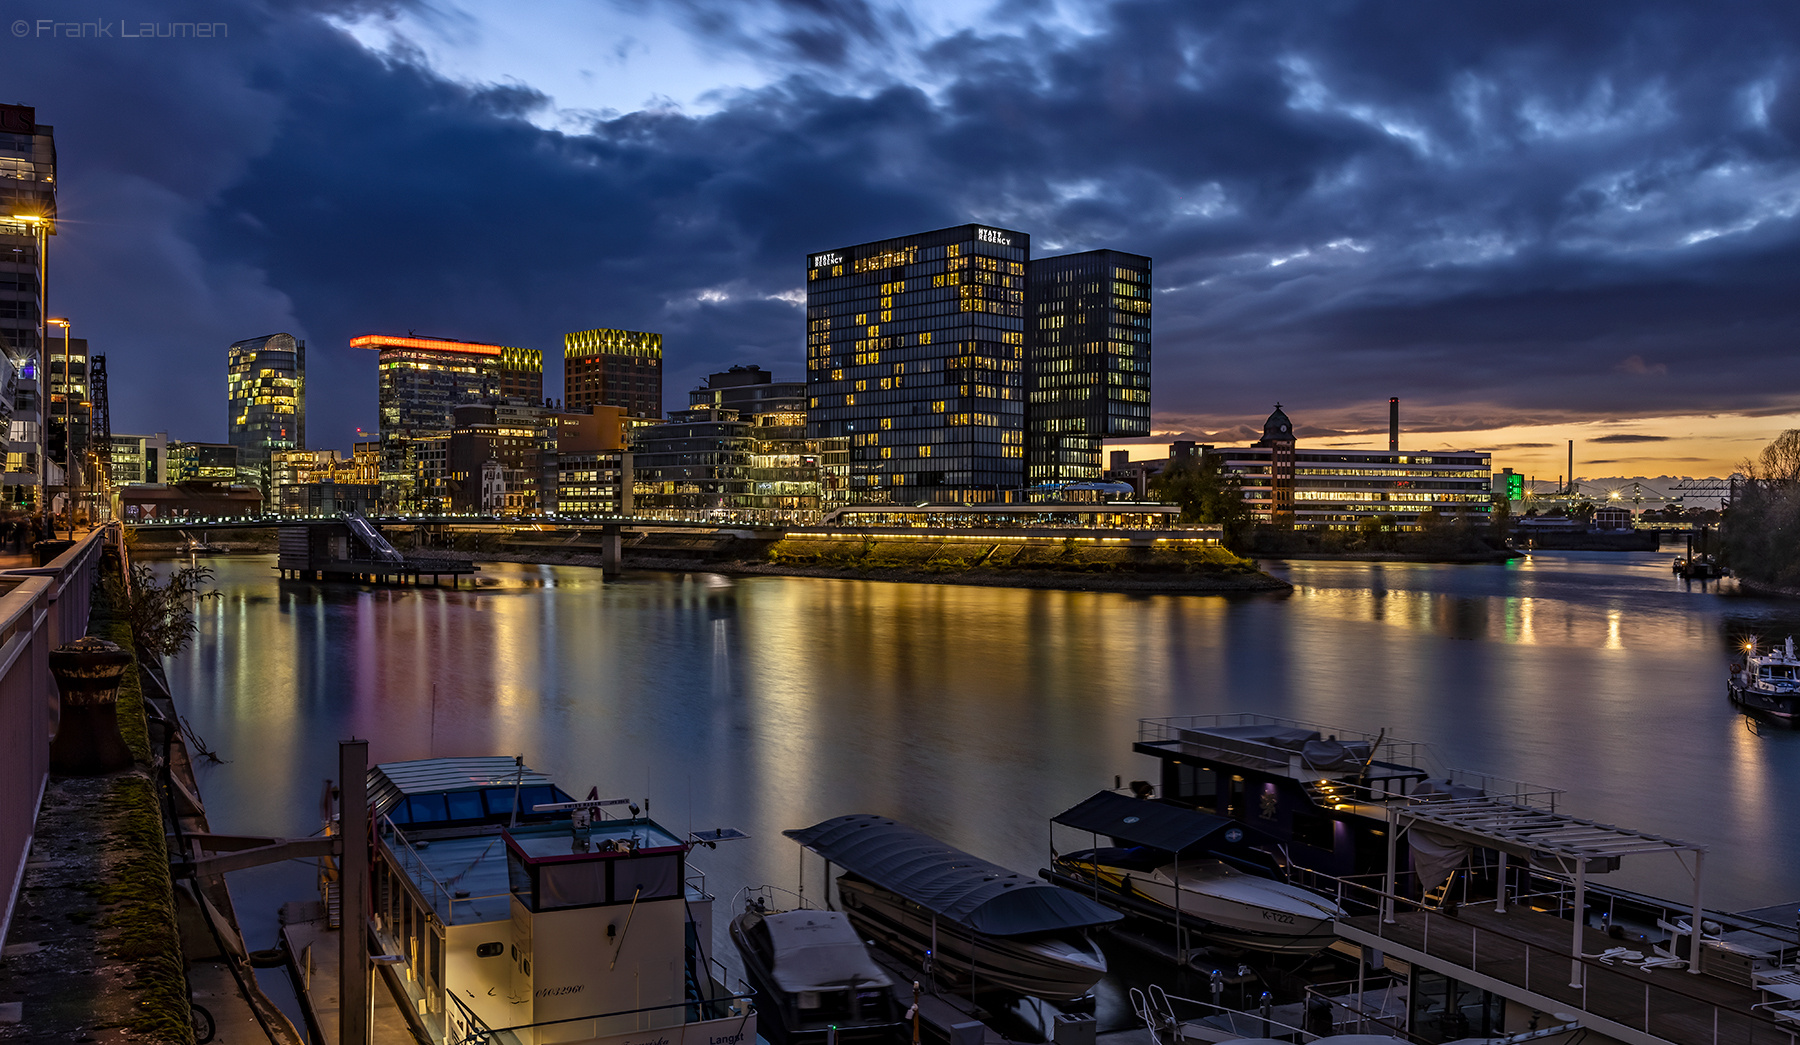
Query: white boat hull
(1240, 910)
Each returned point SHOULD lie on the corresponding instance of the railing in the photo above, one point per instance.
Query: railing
(443, 898)
(466, 1027)
(1661, 1005)
(1518, 792)
(42, 609)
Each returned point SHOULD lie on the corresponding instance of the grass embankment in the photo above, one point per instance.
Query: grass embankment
(1065, 563)
(138, 921)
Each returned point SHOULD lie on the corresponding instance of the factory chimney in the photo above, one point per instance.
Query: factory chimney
(1571, 490)
(1394, 423)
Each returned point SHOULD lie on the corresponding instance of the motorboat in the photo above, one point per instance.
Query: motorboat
(976, 927)
(814, 977)
(1767, 682)
(1206, 872)
(1240, 910)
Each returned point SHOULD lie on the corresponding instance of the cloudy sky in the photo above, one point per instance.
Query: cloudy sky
(1530, 221)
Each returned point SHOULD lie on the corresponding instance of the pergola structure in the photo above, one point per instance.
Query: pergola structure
(1553, 841)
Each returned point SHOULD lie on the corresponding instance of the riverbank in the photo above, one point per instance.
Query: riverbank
(1448, 558)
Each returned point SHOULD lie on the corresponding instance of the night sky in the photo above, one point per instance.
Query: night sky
(1518, 217)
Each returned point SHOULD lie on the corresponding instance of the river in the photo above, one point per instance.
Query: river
(976, 713)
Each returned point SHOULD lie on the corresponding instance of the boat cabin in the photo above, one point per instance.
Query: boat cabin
(515, 908)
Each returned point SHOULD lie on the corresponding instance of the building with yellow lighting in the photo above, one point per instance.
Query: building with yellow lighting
(265, 392)
(621, 368)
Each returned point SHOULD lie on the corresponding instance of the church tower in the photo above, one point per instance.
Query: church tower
(1278, 436)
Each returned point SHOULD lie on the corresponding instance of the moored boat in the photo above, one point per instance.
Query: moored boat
(1767, 682)
(814, 977)
(976, 927)
(1204, 871)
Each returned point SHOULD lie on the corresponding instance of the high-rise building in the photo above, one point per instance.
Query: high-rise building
(265, 390)
(621, 368)
(1088, 368)
(915, 365)
(66, 373)
(27, 187)
(522, 374)
(423, 379)
(139, 458)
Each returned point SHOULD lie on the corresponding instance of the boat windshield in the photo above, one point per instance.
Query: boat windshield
(1777, 671)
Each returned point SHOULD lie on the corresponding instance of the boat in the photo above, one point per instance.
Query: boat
(1202, 871)
(977, 927)
(518, 913)
(1699, 568)
(814, 977)
(1767, 683)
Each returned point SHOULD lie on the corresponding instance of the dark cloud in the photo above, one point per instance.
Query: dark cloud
(1502, 214)
(1624, 437)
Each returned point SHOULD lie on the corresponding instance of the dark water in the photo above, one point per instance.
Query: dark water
(976, 713)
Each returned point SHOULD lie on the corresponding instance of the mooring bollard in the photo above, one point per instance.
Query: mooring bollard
(87, 743)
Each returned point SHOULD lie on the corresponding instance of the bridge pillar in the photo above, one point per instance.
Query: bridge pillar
(612, 551)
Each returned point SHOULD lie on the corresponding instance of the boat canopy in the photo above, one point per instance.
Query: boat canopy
(1141, 822)
(946, 881)
(452, 789)
(819, 951)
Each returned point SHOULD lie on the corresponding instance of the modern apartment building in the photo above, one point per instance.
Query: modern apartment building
(621, 368)
(916, 351)
(265, 391)
(27, 188)
(1088, 363)
(422, 380)
(140, 459)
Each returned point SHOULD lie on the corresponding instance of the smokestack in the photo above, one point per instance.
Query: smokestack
(1571, 467)
(1394, 423)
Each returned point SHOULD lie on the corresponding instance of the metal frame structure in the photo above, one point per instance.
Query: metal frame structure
(1550, 840)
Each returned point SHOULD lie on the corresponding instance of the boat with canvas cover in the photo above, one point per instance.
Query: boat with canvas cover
(977, 927)
(814, 976)
(1179, 865)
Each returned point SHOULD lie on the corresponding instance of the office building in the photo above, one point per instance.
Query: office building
(265, 390)
(621, 368)
(139, 458)
(1088, 365)
(328, 498)
(1287, 485)
(23, 436)
(521, 374)
(27, 186)
(497, 456)
(593, 464)
(740, 452)
(915, 365)
(422, 380)
(211, 462)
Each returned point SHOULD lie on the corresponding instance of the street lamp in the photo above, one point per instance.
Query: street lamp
(41, 227)
(68, 427)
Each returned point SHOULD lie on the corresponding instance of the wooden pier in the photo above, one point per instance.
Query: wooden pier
(344, 551)
(1523, 955)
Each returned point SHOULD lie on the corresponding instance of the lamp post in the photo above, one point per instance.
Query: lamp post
(68, 428)
(41, 227)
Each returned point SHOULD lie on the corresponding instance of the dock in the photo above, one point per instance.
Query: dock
(312, 948)
(1523, 954)
(353, 549)
(943, 1017)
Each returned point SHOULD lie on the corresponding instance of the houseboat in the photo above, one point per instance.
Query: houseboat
(522, 915)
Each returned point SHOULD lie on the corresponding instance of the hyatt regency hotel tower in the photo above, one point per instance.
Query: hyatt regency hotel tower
(948, 367)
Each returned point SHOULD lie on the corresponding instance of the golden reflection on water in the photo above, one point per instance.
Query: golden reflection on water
(976, 713)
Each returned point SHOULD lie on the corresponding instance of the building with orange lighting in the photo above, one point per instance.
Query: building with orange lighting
(423, 379)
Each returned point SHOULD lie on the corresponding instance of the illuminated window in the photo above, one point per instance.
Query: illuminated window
(925, 451)
(887, 422)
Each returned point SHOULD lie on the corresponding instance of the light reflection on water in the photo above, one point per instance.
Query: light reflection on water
(976, 713)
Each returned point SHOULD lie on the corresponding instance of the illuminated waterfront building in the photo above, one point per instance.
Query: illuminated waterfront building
(1290, 485)
(27, 186)
(1088, 364)
(740, 451)
(621, 368)
(521, 374)
(139, 458)
(265, 389)
(422, 381)
(915, 365)
(212, 462)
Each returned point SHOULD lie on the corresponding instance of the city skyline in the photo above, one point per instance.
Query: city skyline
(1520, 226)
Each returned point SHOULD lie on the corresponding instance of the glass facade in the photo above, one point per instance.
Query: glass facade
(422, 381)
(265, 390)
(1088, 373)
(915, 366)
(621, 368)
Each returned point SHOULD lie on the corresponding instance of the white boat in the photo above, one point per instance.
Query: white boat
(976, 927)
(1241, 910)
(1173, 864)
(815, 979)
(1767, 682)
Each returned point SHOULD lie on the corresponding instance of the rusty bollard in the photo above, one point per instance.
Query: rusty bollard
(88, 672)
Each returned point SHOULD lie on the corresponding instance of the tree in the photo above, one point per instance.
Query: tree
(1759, 537)
(160, 613)
(1207, 493)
